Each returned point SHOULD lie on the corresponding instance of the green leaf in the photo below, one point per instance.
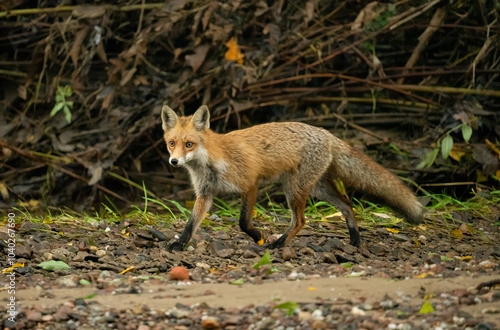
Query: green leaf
(59, 98)
(237, 282)
(426, 308)
(265, 260)
(347, 265)
(67, 113)
(429, 159)
(67, 90)
(466, 132)
(446, 146)
(56, 108)
(445, 258)
(53, 265)
(84, 282)
(356, 274)
(289, 306)
(70, 104)
(90, 296)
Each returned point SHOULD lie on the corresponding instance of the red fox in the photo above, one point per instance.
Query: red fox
(305, 158)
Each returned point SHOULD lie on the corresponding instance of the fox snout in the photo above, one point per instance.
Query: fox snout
(177, 161)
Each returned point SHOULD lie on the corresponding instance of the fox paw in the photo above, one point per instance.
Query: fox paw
(275, 245)
(176, 246)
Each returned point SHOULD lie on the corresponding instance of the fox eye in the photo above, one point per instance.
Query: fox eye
(189, 144)
(172, 143)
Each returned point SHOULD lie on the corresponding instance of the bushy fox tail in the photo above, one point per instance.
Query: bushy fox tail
(360, 172)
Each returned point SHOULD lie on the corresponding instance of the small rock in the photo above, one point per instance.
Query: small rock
(143, 327)
(47, 256)
(80, 256)
(35, 316)
(67, 281)
(296, 276)
(100, 253)
(47, 318)
(422, 239)
(356, 311)
(225, 253)
(222, 234)
(329, 258)
(179, 274)
(387, 304)
(304, 316)
(190, 248)
(210, 323)
(104, 274)
(317, 315)
(249, 254)
(319, 324)
(203, 265)
(464, 249)
(61, 254)
(289, 253)
(400, 237)
(23, 251)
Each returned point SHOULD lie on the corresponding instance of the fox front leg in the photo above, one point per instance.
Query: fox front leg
(201, 207)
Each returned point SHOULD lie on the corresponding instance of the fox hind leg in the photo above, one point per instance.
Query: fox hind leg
(296, 200)
(326, 190)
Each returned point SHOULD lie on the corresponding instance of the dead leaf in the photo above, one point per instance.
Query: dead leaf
(218, 33)
(21, 91)
(309, 11)
(101, 52)
(196, 60)
(465, 229)
(77, 45)
(88, 11)
(127, 76)
(4, 191)
(274, 34)
(208, 14)
(366, 15)
(487, 159)
(233, 53)
(96, 172)
(456, 233)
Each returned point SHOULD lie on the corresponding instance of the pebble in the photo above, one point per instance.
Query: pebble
(356, 311)
(288, 253)
(210, 323)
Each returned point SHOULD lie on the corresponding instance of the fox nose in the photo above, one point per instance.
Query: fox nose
(174, 161)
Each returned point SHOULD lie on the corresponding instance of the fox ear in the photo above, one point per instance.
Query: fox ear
(201, 118)
(169, 118)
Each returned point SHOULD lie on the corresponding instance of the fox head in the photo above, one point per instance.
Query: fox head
(185, 136)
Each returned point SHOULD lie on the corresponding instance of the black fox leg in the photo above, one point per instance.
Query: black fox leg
(247, 203)
(201, 207)
(297, 204)
(325, 190)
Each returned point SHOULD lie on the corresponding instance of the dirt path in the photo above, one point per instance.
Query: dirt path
(166, 296)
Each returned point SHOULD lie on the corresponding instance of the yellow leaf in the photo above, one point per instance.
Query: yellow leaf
(311, 288)
(4, 191)
(48, 220)
(395, 231)
(429, 295)
(255, 213)
(466, 258)
(424, 275)
(212, 270)
(456, 155)
(11, 268)
(127, 270)
(456, 233)
(127, 234)
(233, 53)
(493, 147)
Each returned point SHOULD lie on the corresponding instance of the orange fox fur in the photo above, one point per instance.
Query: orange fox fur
(305, 158)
